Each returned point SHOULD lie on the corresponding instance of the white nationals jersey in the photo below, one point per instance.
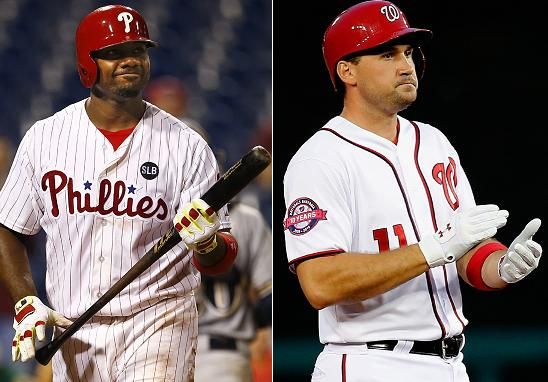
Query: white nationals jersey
(349, 190)
(102, 210)
(223, 302)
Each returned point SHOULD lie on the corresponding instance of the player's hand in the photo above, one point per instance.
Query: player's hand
(197, 224)
(464, 231)
(522, 256)
(31, 318)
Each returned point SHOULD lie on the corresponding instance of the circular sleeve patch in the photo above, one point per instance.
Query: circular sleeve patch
(303, 215)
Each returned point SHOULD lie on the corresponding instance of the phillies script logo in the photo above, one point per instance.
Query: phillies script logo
(303, 215)
(56, 182)
(447, 177)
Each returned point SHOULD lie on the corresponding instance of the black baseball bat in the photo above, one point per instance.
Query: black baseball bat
(230, 184)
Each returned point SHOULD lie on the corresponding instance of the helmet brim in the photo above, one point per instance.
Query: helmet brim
(412, 36)
(148, 42)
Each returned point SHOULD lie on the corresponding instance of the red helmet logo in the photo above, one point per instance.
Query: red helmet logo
(364, 26)
(104, 27)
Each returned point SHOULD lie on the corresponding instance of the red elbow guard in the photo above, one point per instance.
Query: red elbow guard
(475, 265)
(226, 262)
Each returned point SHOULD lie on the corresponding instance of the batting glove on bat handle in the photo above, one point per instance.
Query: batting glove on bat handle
(464, 231)
(197, 223)
(523, 255)
(31, 318)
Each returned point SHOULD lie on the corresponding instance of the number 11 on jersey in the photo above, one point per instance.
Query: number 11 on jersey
(381, 236)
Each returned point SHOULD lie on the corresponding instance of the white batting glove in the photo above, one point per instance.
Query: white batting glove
(31, 318)
(464, 231)
(522, 256)
(197, 223)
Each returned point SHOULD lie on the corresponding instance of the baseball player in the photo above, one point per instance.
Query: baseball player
(381, 219)
(105, 178)
(234, 305)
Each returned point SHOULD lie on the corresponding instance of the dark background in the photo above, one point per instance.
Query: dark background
(484, 88)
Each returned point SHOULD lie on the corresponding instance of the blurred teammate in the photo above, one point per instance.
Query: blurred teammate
(234, 307)
(381, 220)
(259, 192)
(105, 178)
(170, 94)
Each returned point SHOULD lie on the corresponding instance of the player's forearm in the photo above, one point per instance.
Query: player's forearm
(490, 269)
(349, 277)
(215, 256)
(15, 273)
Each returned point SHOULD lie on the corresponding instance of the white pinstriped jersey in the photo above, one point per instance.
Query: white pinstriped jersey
(102, 210)
(349, 190)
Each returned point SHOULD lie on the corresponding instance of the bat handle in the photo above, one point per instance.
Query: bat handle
(168, 241)
(45, 354)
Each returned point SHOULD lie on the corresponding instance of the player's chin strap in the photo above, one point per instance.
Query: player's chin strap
(422, 61)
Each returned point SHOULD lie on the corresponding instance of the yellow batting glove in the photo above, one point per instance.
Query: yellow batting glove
(197, 224)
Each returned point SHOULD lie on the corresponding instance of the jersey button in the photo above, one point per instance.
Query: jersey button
(99, 294)
(101, 259)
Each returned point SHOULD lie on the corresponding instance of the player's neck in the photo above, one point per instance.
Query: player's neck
(378, 123)
(114, 116)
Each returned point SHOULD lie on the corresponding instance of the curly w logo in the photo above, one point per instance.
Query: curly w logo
(447, 177)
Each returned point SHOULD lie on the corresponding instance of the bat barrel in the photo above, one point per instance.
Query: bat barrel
(237, 177)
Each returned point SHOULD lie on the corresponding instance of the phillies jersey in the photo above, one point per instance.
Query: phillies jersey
(103, 209)
(350, 190)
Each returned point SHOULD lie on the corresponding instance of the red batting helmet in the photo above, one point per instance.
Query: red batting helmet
(104, 27)
(364, 26)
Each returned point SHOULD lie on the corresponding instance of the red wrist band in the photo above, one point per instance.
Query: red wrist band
(475, 265)
(226, 262)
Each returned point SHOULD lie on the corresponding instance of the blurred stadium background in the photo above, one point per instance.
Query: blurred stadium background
(221, 50)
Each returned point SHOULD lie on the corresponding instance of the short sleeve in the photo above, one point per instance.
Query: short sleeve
(20, 207)
(318, 218)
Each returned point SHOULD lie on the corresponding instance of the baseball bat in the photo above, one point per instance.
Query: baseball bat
(230, 184)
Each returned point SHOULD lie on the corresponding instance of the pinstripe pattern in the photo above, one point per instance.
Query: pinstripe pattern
(101, 215)
(149, 346)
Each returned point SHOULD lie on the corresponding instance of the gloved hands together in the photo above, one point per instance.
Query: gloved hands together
(31, 318)
(197, 224)
(464, 231)
(522, 256)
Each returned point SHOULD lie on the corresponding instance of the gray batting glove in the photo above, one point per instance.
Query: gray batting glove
(522, 256)
(31, 318)
(464, 231)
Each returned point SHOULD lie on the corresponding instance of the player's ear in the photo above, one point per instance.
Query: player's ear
(346, 70)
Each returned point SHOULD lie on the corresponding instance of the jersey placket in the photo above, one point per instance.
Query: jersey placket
(406, 165)
(103, 227)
